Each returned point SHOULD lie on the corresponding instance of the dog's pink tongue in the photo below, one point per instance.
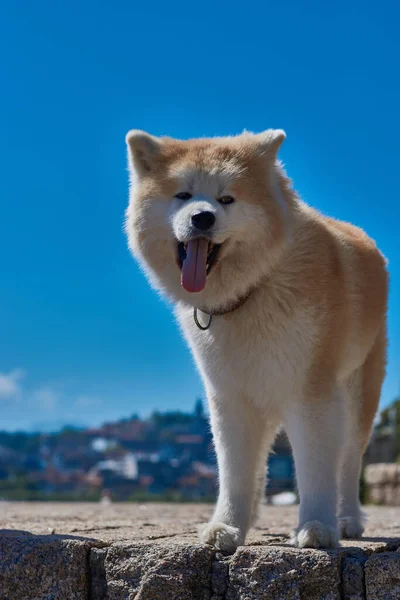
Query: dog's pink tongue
(194, 268)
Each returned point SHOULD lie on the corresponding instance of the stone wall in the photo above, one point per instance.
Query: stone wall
(150, 552)
(383, 483)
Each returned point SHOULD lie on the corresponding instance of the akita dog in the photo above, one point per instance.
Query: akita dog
(284, 310)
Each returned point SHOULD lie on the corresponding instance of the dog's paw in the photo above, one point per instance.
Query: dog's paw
(221, 536)
(314, 534)
(351, 527)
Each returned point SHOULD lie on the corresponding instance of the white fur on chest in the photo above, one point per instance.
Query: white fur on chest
(253, 352)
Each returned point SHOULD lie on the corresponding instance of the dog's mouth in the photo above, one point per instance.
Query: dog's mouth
(196, 259)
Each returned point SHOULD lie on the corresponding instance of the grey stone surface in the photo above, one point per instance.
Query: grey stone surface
(150, 523)
(151, 552)
(382, 576)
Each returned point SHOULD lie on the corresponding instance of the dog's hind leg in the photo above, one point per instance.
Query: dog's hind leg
(241, 438)
(262, 472)
(364, 388)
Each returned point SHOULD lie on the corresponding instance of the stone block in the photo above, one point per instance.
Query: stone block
(43, 568)
(273, 573)
(382, 576)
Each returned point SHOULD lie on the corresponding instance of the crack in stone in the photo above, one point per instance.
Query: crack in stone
(162, 537)
(100, 528)
(97, 574)
(219, 580)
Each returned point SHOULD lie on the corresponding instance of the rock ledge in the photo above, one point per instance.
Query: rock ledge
(150, 552)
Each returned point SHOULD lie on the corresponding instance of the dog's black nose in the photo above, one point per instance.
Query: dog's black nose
(203, 220)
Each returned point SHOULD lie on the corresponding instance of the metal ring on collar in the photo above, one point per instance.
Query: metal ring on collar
(196, 320)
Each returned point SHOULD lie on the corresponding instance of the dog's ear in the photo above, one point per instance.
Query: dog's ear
(269, 141)
(143, 150)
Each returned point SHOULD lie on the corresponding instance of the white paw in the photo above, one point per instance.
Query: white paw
(351, 527)
(314, 534)
(222, 537)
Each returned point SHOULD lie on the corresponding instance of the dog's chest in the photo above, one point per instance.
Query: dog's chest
(262, 354)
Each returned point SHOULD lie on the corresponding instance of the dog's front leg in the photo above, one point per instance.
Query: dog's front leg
(241, 439)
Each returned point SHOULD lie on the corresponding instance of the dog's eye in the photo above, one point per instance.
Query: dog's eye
(226, 200)
(183, 196)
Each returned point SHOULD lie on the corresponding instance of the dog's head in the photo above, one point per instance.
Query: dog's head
(207, 217)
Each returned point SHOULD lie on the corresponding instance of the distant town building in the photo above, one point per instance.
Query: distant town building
(169, 455)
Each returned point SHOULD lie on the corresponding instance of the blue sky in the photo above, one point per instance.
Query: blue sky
(82, 336)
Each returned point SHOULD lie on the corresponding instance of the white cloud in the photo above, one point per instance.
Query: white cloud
(46, 397)
(50, 403)
(10, 384)
(86, 402)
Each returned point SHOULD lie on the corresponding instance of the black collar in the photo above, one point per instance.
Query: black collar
(220, 312)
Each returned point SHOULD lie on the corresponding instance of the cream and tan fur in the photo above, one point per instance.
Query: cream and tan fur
(306, 350)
